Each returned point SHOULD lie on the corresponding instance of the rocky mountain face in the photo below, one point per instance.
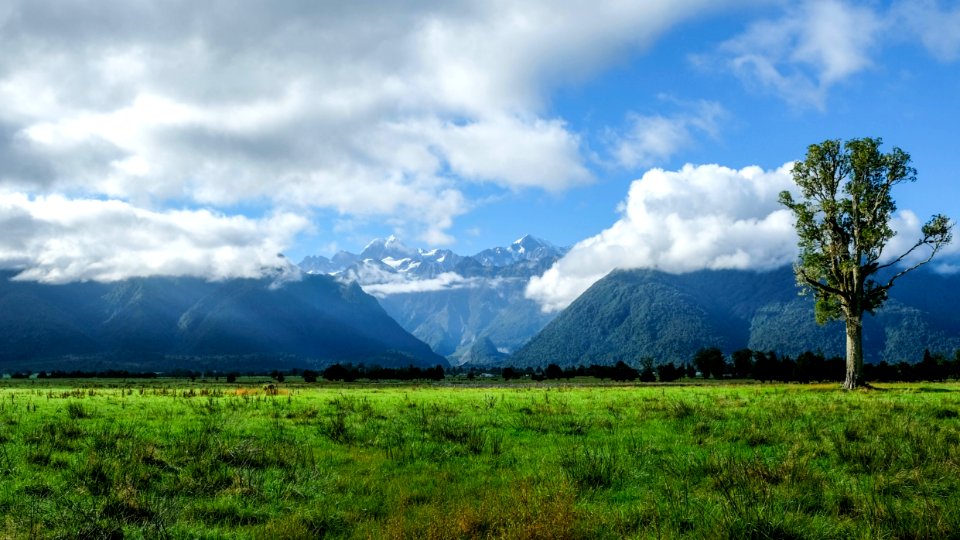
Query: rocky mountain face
(633, 314)
(470, 309)
(164, 323)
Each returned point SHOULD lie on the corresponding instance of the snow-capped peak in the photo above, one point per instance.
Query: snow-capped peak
(529, 242)
(390, 242)
(525, 248)
(392, 255)
(391, 246)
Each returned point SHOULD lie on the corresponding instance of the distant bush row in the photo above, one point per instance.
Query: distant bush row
(619, 372)
(348, 373)
(810, 367)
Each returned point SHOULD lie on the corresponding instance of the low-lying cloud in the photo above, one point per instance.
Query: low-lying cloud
(53, 239)
(381, 281)
(705, 216)
(402, 285)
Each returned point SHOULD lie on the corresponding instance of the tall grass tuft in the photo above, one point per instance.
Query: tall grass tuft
(593, 467)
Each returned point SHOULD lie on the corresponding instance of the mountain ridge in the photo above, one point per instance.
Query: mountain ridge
(153, 323)
(631, 314)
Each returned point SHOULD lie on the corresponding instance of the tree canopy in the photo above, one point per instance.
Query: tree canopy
(843, 225)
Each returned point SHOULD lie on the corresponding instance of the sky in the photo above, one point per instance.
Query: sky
(205, 138)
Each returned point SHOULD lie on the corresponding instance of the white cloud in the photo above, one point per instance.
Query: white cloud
(54, 239)
(386, 112)
(654, 138)
(804, 53)
(908, 227)
(402, 285)
(380, 279)
(937, 28)
(513, 152)
(699, 217)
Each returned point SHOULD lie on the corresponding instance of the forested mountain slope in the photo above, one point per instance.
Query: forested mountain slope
(633, 314)
(158, 323)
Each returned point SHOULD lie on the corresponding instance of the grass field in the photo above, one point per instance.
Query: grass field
(100, 459)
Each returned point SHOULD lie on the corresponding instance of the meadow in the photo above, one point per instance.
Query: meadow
(181, 459)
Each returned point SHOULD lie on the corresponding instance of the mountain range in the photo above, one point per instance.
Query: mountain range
(629, 315)
(470, 309)
(163, 323)
(393, 306)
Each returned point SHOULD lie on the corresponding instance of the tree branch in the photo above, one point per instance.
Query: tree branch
(821, 286)
(899, 274)
(904, 256)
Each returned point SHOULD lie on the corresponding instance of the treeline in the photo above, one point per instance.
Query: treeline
(349, 373)
(764, 366)
(815, 367)
(709, 362)
(619, 372)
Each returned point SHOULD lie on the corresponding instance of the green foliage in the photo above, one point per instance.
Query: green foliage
(710, 362)
(843, 222)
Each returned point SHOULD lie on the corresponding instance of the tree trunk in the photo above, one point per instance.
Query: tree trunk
(854, 352)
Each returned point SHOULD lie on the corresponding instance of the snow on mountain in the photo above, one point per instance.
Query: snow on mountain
(318, 264)
(528, 248)
(450, 301)
(391, 247)
(389, 260)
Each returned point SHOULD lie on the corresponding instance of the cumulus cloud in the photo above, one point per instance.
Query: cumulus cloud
(804, 53)
(701, 217)
(698, 217)
(54, 239)
(908, 227)
(387, 111)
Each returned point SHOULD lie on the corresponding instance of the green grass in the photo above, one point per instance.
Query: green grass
(217, 460)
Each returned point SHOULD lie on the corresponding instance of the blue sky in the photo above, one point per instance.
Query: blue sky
(204, 138)
(906, 95)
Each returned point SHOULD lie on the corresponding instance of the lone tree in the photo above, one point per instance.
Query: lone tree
(843, 224)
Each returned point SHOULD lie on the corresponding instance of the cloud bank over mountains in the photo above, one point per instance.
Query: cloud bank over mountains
(57, 240)
(705, 216)
(698, 217)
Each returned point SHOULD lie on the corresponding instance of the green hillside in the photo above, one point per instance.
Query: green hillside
(630, 315)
